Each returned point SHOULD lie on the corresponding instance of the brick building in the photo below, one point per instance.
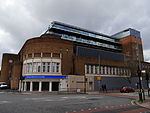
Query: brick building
(67, 58)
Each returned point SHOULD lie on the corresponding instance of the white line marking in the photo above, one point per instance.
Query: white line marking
(4, 102)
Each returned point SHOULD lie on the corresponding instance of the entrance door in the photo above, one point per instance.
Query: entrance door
(55, 86)
(28, 86)
(35, 86)
(90, 86)
(45, 86)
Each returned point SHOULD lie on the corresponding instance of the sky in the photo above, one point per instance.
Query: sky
(24, 19)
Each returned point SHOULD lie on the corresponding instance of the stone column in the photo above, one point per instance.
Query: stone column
(25, 86)
(50, 86)
(22, 85)
(40, 86)
(31, 86)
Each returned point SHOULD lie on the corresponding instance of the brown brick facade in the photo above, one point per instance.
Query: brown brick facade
(7, 67)
(51, 44)
(52, 48)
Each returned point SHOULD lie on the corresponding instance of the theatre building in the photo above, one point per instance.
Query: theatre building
(69, 58)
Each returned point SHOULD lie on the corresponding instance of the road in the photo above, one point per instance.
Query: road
(48, 103)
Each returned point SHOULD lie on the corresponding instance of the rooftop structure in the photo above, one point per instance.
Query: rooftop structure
(127, 32)
(81, 35)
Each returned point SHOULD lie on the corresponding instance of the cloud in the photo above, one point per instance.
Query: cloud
(23, 19)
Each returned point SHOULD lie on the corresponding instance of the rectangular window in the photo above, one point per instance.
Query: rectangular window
(108, 70)
(34, 66)
(91, 69)
(29, 55)
(57, 67)
(38, 66)
(102, 70)
(48, 66)
(24, 68)
(30, 67)
(87, 69)
(56, 55)
(37, 54)
(105, 70)
(46, 54)
(96, 70)
(43, 67)
(53, 67)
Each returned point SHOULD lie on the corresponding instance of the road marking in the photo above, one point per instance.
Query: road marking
(4, 102)
(49, 99)
(133, 102)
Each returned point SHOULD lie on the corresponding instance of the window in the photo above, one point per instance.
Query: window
(56, 55)
(87, 70)
(29, 55)
(108, 70)
(29, 67)
(57, 67)
(38, 66)
(48, 67)
(53, 66)
(103, 70)
(46, 54)
(37, 54)
(34, 67)
(96, 69)
(43, 67)
(111, 70)
(24, 68)
(91, 69)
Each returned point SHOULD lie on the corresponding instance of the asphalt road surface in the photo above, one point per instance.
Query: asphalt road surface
(81, 103)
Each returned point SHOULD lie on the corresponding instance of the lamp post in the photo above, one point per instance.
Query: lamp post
(140, 85)
(147, 79)
(139, 70)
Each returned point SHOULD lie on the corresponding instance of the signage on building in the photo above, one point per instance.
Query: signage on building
(99, 78)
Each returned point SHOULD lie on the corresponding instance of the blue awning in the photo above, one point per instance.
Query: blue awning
(43, 76)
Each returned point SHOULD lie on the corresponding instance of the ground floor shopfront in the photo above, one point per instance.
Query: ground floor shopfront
(40, 86)
(77, 83)
(71, 83)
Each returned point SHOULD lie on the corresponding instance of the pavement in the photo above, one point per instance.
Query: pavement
(134, 96)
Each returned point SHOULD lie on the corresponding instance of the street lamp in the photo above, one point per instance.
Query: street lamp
(140, 85)
(147, 79)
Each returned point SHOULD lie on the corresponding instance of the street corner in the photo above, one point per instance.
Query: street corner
(145, 103)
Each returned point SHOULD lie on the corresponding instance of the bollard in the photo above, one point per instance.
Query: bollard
(140, 97)
(143, 94)
(148, 92)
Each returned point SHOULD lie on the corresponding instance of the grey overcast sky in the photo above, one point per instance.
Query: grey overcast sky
(24, 19)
